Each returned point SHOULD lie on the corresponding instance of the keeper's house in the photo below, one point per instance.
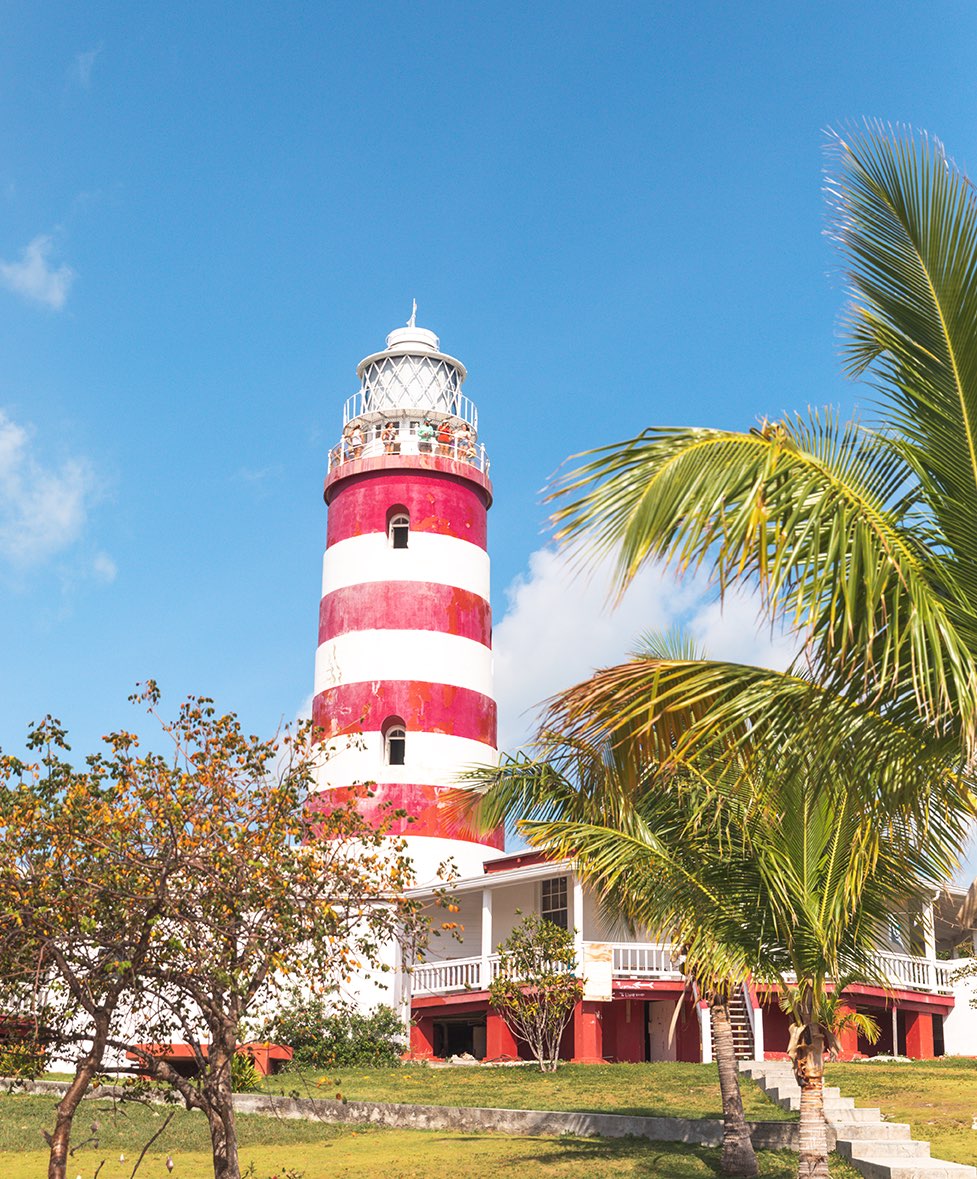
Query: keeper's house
(637, 1004)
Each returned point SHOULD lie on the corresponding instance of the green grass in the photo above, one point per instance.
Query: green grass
(938, 1098)
(652, 1090)
(315, 1150)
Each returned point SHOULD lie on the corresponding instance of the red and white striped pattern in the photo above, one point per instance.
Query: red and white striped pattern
(407, 634)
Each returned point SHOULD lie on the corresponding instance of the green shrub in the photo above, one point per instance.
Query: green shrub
(329, 1034)
(245, 1077)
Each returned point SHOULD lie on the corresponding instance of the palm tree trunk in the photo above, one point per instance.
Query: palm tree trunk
(813, 1130)
(738, 1157)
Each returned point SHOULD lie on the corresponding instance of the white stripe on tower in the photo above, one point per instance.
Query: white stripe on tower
(369, 656)
(430, 557)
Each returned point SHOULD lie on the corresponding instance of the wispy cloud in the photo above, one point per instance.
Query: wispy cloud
(558, 627)
(82, 64)
(260, 479)
(35, 277)
(43, 509)
(104, 569)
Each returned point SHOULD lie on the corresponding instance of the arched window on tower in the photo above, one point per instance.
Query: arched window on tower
(398, 528)
(395, 744)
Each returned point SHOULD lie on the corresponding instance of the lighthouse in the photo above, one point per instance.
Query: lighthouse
(403, 669)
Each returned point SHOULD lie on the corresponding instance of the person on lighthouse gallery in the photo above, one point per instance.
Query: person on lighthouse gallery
(389, 436)
(425, 436)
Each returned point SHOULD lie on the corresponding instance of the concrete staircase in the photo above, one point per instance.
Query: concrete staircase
(880, 1150)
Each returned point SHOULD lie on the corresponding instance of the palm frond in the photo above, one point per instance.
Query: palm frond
(906, 220)
(815, 516)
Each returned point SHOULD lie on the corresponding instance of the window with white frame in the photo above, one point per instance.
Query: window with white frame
(553, 902)
(395, 742)
(399, 530)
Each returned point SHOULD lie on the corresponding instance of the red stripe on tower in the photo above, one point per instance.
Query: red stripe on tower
(423, 708)
(436, 500)
(400, 605)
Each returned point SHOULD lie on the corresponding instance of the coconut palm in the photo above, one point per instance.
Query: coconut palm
(861, 536)
(782, 873)
(610, 787)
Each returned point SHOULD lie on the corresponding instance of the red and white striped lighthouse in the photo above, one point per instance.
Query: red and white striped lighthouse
(405, 626)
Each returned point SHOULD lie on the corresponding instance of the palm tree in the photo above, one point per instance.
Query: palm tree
(861, 536)
(608, 791)
(789, 876)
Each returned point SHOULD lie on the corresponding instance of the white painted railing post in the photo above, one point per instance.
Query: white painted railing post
(578, 923)
(929, 944)
(485, 976)
(756, 1021)
(705, 1032)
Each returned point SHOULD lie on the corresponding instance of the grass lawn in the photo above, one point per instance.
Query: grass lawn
(314, 1150)
(938, 1098)
(654, 1090)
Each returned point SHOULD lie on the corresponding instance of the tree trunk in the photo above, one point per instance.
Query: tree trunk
(813, 1162)
(738, 1157)
(220, 1113)
(68, 1105)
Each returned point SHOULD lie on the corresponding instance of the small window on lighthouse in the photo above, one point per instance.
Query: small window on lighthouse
(399, 530)
(396, 743)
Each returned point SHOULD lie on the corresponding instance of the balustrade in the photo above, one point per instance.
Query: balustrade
(647, 960)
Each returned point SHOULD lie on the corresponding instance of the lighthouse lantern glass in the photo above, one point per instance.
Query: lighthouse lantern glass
(411, 382)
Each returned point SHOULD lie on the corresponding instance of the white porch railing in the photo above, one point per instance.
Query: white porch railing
(917, 974)
(648, 960)
(459, 974)
(644, 960)
(630, 960)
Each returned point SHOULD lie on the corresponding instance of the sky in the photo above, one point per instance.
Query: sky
(209, 213)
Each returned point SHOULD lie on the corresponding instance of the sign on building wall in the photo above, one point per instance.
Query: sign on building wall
(598, 962)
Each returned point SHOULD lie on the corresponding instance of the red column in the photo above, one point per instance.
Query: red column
(422, 1038)
(919, 1035)
(499, 1040)
(587, 1037)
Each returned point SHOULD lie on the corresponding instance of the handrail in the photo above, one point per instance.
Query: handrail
(459, 449)
(357, 406)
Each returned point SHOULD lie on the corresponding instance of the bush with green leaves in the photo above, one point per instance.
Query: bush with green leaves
(537, 986)
(245, 1077)
(325, 1034)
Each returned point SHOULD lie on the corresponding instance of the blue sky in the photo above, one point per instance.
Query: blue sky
(210, 212)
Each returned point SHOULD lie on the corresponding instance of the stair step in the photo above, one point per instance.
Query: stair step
(833, 1107)
(893, 1168)
(831, 1093)
(875, 1150)
(845, 1117)
(767, 1068)
(873, 1132)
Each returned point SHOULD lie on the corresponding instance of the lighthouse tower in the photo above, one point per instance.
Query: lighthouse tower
(403, 672)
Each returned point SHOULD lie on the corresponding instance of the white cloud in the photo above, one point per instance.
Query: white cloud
(35, 277)
(43, 509)
(559, 626)
(104, 568)
(80, 70)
